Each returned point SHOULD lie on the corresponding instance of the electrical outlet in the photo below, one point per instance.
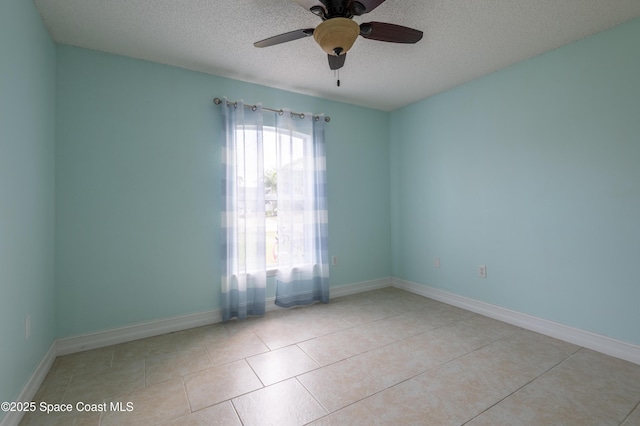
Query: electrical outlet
(27, 327)
(334, 260)
(436, 263)
(482, 271)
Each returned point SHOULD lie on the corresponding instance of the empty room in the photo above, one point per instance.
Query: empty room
(320, 212)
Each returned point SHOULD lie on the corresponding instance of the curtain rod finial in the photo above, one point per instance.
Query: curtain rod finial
(217, 101)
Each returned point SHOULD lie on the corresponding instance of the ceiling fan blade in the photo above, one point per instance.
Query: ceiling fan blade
(365, 6)
(337, 62)
(389, 32)
(283, 38)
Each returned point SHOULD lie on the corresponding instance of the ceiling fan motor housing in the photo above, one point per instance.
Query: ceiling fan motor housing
(336, 35)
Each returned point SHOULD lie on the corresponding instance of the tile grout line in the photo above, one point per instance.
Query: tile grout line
(186, 394)
(379, 347)
(433, 368)
(523, 386)
(255, 372)
(314, 398)
(235, 410)
(402, 381)
(66, 388)
(376, 348)
(636, 407)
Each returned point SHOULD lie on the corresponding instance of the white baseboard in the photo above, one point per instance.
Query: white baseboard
(12, 418)
(131, 332)
(349, 289)
(589, 340)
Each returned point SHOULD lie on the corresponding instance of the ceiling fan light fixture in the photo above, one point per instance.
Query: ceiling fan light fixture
(336, 35)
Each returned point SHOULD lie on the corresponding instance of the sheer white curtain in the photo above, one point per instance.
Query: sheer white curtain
(244, 274)
(303, 267)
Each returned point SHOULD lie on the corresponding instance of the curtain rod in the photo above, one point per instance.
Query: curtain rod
(218, 101)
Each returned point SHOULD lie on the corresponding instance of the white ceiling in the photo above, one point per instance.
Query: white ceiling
(463, 39)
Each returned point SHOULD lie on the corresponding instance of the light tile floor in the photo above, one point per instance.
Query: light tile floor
(381, 357)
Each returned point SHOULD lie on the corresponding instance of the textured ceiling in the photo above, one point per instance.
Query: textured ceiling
(463, 39)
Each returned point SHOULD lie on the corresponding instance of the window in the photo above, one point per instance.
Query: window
(274, 159)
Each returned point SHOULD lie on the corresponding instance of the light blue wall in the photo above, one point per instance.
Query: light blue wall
(137, 184)
(27, 123)
(533, 171)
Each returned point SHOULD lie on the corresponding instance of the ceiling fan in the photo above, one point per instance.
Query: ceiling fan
(337, 33)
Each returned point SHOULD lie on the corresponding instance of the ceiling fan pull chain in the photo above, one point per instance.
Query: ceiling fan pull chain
(338, 82)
